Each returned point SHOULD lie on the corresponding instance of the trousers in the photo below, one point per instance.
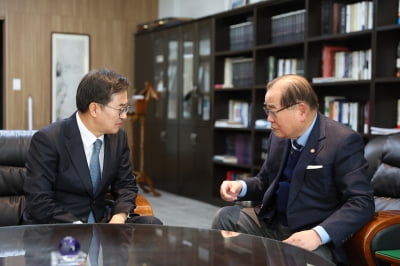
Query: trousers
(237, 218)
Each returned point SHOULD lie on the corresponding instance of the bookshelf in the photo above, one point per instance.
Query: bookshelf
(251, 38)
(356, 79)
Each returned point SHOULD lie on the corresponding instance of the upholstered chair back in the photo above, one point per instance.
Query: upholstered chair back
(14, 145)
(383, 156)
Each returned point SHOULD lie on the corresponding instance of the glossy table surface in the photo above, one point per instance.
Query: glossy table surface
(131, 244)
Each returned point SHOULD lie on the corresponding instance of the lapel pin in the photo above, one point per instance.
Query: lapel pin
(312, 150)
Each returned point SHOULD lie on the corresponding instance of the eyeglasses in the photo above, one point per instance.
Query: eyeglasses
(270, 112)
(126, 109)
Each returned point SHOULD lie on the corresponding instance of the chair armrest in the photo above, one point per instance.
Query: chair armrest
(358, 247)
(143, 207)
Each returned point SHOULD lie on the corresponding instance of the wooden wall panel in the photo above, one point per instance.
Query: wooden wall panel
(28, 27)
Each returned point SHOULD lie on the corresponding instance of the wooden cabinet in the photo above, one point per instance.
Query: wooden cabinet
(275, 37)
(178, 135)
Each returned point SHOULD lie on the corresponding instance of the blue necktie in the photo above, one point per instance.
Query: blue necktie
(95, 172)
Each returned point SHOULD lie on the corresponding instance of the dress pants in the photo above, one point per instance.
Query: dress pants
(237, 218)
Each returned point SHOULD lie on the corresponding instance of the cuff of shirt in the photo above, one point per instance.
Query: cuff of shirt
(325, 238)
(244, 189)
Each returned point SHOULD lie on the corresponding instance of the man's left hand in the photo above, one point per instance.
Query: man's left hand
(118, 218)
(308, 240)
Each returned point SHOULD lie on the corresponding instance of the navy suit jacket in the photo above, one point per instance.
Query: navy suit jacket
(58, 186)
(330, 186)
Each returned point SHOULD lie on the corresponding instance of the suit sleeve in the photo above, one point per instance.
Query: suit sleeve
(124, 188)
(352, 183)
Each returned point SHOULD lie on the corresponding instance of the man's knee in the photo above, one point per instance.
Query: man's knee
(144, 220)
(226, 217)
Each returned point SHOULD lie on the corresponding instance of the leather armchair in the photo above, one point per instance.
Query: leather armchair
(14, 145)
(383, 232)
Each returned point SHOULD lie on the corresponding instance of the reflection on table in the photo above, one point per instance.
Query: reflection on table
(131, 244)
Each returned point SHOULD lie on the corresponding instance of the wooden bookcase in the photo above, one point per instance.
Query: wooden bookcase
(380, 90)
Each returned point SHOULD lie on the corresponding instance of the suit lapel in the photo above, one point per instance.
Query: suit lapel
(310, 151)
(279, 164)
(74, 146)
(108, 160)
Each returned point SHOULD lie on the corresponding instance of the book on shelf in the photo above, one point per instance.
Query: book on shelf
(238, 115)
(351, 113)
(328, 59)
(239, 111)
(243, 148)
(238, 72)
(232, 175)
(228, 123)
(224, 158)
(398, 59)
(262, 124)
(264, 148)
(317, 80)
(239, 146)
(283, 66)
(228, 79)
(384, 131)
(338, 17)
(288, 26)
(241, 35)
(340, 64)
(398, 114)
(271, 68)
(398, 13)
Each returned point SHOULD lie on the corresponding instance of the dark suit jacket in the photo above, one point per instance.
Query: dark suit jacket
(330, 186)
(58, 186)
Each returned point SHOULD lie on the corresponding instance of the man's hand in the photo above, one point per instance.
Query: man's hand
(118, 218)
(308, 239)
(230, 190)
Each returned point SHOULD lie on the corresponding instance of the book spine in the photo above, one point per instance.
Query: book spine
(398, 113)
(398, 13)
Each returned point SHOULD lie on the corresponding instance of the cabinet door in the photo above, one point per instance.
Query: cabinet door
(161, 135)
(144, 68)
(194, 127)
(170, 133)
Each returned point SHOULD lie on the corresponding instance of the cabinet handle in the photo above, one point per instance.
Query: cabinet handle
(193, 138)
(163, 135)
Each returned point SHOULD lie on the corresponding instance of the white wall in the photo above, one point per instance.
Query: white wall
(190, 8)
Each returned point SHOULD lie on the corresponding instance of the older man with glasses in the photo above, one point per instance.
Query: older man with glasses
(314, 188)
(73, 163)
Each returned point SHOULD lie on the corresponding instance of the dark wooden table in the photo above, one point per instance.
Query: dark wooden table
(150, 245)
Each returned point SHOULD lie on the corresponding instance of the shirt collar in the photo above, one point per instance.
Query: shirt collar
(302, 140)
(88, 138)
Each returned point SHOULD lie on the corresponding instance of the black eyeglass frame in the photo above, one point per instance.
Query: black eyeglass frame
(268, 112)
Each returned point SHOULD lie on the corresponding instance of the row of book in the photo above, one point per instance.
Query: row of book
(283, 66)
(238, 115)
(338, 17)
(339, 63)
(238, 72)
(288, 26)
(237, 150)
(236, 175)
(352, 113)
(241, 36)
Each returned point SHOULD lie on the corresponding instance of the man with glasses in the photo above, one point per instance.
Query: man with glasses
(73, 163)
(313, 187)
